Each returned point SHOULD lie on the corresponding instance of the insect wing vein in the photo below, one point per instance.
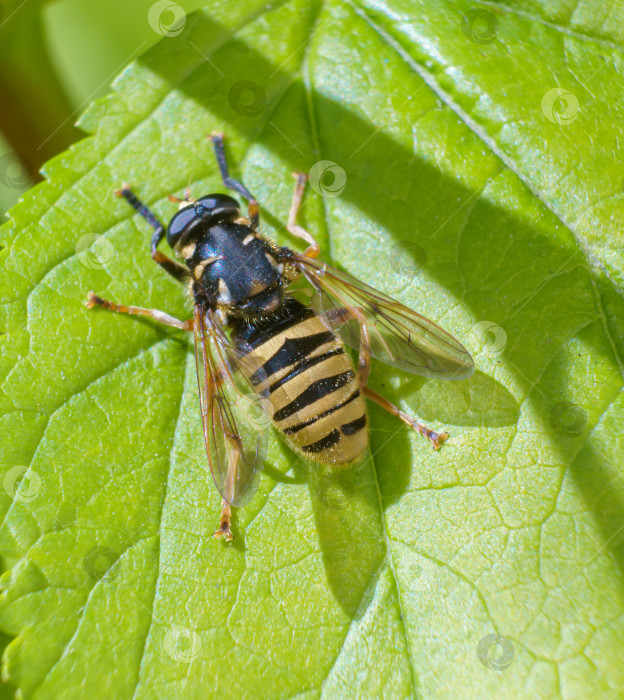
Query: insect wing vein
(234, 435)
(398, 336)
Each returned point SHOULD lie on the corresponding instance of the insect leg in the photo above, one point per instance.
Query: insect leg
(173, 268)
(224, 523)
(436, 438)
(231, 183)
(342, 315)
(161, 316)
(364, 354)
(292, 226)
(336, 318)
(226, 512)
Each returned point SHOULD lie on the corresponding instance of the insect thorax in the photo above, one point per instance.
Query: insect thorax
(235, 270)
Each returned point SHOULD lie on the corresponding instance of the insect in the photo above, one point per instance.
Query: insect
(271, 328)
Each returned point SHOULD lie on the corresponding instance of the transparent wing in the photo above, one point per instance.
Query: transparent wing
(235, 417)
(397, 335)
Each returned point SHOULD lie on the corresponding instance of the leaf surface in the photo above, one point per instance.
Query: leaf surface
(490, 568)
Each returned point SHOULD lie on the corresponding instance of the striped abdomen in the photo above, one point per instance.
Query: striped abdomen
(312, 386)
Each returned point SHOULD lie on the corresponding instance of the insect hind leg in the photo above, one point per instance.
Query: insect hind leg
(434, 437)
(340, 316)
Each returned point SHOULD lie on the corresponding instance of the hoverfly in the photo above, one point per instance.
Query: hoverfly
(260, 340)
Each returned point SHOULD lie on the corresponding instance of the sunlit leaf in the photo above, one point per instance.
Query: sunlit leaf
(489, 569)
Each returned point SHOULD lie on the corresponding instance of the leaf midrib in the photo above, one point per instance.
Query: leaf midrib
(503, 7)
(389, 558)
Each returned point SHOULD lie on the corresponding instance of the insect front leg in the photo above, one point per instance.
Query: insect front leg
(173, 268)
(313, 249)
(161, 316)
(253, 207)
(339, 316)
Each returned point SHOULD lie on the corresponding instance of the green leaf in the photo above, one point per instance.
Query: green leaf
(491, 568)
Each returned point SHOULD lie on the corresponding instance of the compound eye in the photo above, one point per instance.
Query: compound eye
(179, 223)
(217, 201)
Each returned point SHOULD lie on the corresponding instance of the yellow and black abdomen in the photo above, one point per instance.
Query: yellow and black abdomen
(310, 382)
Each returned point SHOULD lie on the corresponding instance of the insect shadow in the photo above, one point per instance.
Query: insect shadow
(348, 517)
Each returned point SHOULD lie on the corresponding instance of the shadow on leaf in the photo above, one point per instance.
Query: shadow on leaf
(387, 184)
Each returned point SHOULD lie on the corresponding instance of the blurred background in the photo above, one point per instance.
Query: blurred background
(56, 56)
